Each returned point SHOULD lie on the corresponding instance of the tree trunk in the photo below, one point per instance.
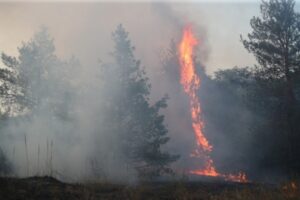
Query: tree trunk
(289, 112)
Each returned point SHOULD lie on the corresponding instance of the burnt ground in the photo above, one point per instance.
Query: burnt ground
(46, 188)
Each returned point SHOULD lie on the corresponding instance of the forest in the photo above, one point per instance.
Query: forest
(107, 126)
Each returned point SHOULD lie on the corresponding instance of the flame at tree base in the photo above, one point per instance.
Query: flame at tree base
(240, 177)
(191, 83)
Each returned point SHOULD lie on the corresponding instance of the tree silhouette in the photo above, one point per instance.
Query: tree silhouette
(139, 124)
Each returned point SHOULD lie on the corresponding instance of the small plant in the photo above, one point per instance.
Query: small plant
(5, 165)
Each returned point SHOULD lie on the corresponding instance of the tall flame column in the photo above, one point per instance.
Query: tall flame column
(191, 83)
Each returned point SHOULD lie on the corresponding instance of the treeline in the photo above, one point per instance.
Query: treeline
(37, 86)
(258, 107)
(251, 113)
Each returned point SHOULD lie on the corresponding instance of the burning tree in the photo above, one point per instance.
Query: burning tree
(190, 80)
(130, 114)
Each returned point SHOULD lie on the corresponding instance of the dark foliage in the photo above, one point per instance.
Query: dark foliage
(275, 42)
(5, 165)
(139, 124)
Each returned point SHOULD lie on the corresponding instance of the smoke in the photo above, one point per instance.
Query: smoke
(178, 112)
(80, 148)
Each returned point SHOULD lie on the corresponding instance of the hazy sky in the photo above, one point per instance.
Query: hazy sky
(84, 29)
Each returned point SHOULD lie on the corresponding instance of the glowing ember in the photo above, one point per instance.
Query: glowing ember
(191, 83)
(291, 190)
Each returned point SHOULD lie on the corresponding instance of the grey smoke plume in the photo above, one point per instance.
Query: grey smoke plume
(75, 150)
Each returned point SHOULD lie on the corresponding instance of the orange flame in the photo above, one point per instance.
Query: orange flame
(291, 190)
(191, 83)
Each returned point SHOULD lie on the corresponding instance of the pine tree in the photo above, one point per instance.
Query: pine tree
(139, 124)
(8, 98)
(9, 95)
(36, 79)
(36, 60)
(275, 42)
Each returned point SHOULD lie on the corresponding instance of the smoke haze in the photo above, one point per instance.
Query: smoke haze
(83, 30)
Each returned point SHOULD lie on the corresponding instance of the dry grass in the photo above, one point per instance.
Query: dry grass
(47, 188)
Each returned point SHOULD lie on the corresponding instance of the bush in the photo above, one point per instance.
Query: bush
(5, 165)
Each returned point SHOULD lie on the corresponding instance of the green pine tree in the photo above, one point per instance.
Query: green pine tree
(275, 43)
(139, 124)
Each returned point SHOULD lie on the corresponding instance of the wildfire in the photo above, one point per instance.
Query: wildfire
(191, 83)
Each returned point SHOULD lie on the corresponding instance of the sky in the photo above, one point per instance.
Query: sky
(84, 29)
